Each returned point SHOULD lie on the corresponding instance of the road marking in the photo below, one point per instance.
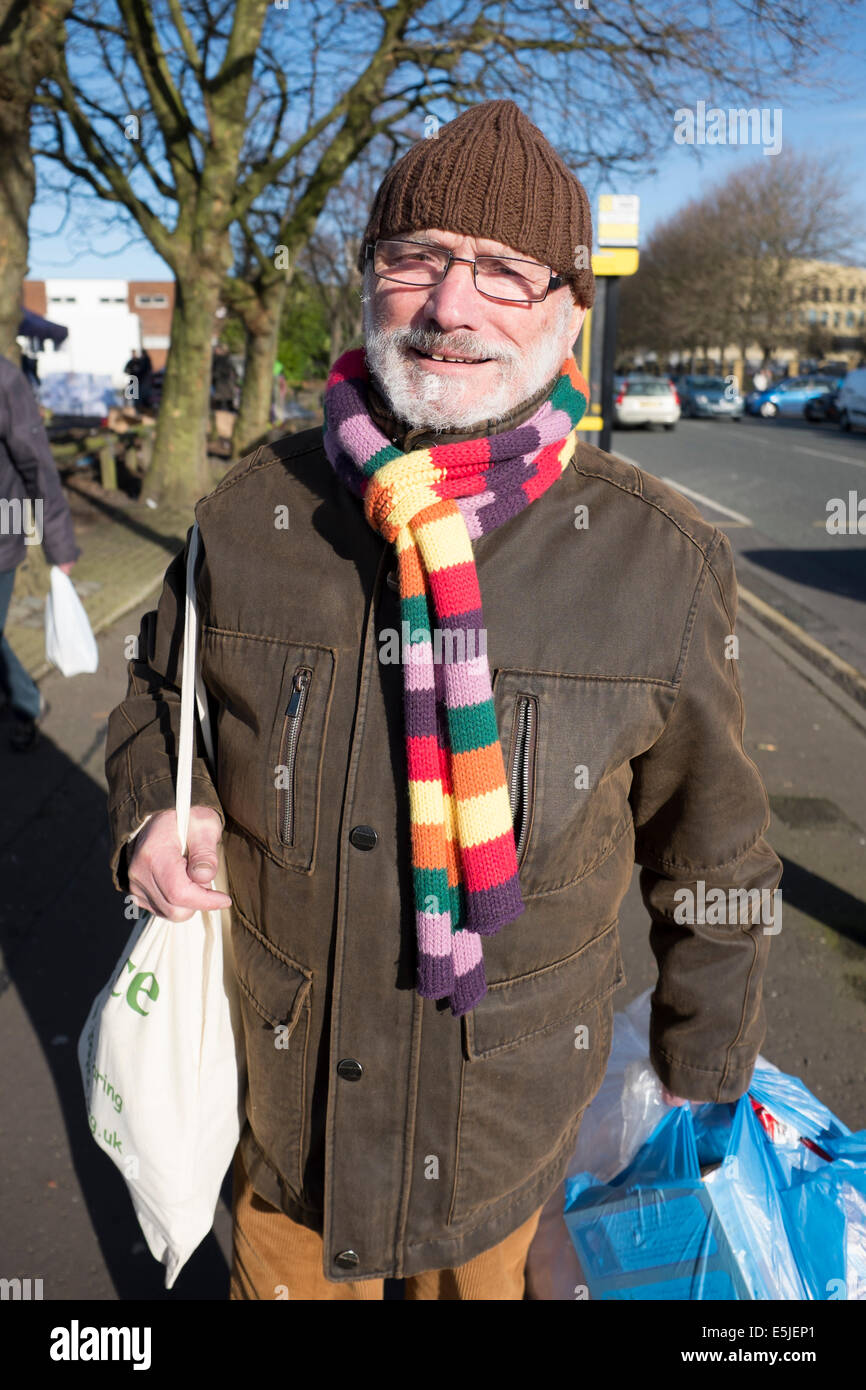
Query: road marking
(825, 454)
(708, 501)
(696, 496)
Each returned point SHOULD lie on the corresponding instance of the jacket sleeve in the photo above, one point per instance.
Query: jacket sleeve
(143, 730)
(700, 812)
(28, 448)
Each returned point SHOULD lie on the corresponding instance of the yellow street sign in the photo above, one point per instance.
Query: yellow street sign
(615, 260)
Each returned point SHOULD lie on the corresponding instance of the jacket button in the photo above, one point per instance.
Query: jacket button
(346, 1259)
(392, 579)
(363, 836)
(350, 1069)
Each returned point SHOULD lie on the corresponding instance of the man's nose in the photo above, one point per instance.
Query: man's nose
(455, 302)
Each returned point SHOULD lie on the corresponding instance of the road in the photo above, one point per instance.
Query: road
(770, 481)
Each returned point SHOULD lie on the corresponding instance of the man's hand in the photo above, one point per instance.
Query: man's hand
(67, 566)
(162, 881)
(670, 1099)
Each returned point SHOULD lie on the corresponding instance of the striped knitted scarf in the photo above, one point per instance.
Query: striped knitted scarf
(432, 503)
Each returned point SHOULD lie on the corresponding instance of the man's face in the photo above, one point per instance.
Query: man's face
(517, 348)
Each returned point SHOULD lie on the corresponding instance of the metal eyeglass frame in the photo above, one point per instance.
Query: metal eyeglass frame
(555, 282)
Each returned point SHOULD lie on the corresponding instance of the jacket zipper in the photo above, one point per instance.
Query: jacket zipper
(288, 751)
(518, 782)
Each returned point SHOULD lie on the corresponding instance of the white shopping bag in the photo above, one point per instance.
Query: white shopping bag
(159, 1067)
(162, 1070)
(69, 641)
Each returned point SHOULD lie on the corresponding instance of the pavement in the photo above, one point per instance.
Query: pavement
(66, 1215)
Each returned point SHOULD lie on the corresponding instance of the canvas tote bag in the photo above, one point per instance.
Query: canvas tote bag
(161, 1053)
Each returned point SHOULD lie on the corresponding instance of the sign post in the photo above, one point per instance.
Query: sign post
(618, 218)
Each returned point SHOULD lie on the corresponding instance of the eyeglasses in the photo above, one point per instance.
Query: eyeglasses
(499, 277)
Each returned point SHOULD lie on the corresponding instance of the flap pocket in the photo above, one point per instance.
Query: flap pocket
(275, 985)
(530, 1005)
(567, 744)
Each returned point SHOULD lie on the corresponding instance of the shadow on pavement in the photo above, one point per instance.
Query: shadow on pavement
(62, 930)
(841, 572)
(828, 904)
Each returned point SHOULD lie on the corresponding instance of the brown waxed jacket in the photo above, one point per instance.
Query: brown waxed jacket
(410, 1139)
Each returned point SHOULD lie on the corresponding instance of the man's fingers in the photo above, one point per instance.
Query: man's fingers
(202, 843)
(174, 884)
(181, 895)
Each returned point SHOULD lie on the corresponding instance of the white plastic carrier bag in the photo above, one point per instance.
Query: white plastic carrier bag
(69, 641)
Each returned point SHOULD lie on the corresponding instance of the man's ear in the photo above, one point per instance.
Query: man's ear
(578, 315)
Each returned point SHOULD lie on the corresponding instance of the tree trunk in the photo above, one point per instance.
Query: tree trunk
(32, 37)
(17, 188)
(262, 327)
(179, 473)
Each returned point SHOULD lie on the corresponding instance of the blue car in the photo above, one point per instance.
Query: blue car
(790, 395)
(710, 397)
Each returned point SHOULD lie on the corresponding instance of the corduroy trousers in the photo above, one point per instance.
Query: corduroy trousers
(274, 1257)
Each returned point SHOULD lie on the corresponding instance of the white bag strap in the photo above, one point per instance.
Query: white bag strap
(191, 683)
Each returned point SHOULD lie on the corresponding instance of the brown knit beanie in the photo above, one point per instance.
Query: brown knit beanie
(491, 173)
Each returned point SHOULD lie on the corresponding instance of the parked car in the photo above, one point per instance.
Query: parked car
(851, 400)
(709, 398)
(822, 408)
(789, 396)
(645, 400)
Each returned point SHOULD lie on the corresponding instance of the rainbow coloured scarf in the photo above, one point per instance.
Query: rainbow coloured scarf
(432, 503)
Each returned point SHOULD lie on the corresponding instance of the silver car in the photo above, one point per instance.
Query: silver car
(645, 400)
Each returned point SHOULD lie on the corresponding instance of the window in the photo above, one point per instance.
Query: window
(151, 301)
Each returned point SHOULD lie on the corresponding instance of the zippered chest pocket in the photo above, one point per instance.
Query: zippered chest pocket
(274, 700)
(521, 769)
(567, 742)
(284, 776)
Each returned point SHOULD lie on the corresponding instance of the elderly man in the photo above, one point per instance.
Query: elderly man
(465, 673)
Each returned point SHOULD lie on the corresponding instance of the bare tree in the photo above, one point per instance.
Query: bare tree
(245, 109)
(723, 270)
(31, 40)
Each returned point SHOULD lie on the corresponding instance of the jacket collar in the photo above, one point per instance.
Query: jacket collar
(422, 438)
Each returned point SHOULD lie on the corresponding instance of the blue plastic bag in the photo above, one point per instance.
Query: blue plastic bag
(652, 1232)
(781, 1213)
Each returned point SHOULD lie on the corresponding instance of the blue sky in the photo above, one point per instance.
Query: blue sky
(817, 121)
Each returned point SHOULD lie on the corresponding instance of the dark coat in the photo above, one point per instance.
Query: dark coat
(413, 1140)
(27, 469)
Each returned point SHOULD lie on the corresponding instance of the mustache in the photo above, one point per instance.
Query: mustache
(457, 345)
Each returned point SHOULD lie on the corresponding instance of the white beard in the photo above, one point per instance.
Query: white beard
(434, 400)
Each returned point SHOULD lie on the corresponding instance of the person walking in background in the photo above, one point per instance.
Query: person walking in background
(34, 510)
(140, 367)
(224, 379)
(145, 379)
